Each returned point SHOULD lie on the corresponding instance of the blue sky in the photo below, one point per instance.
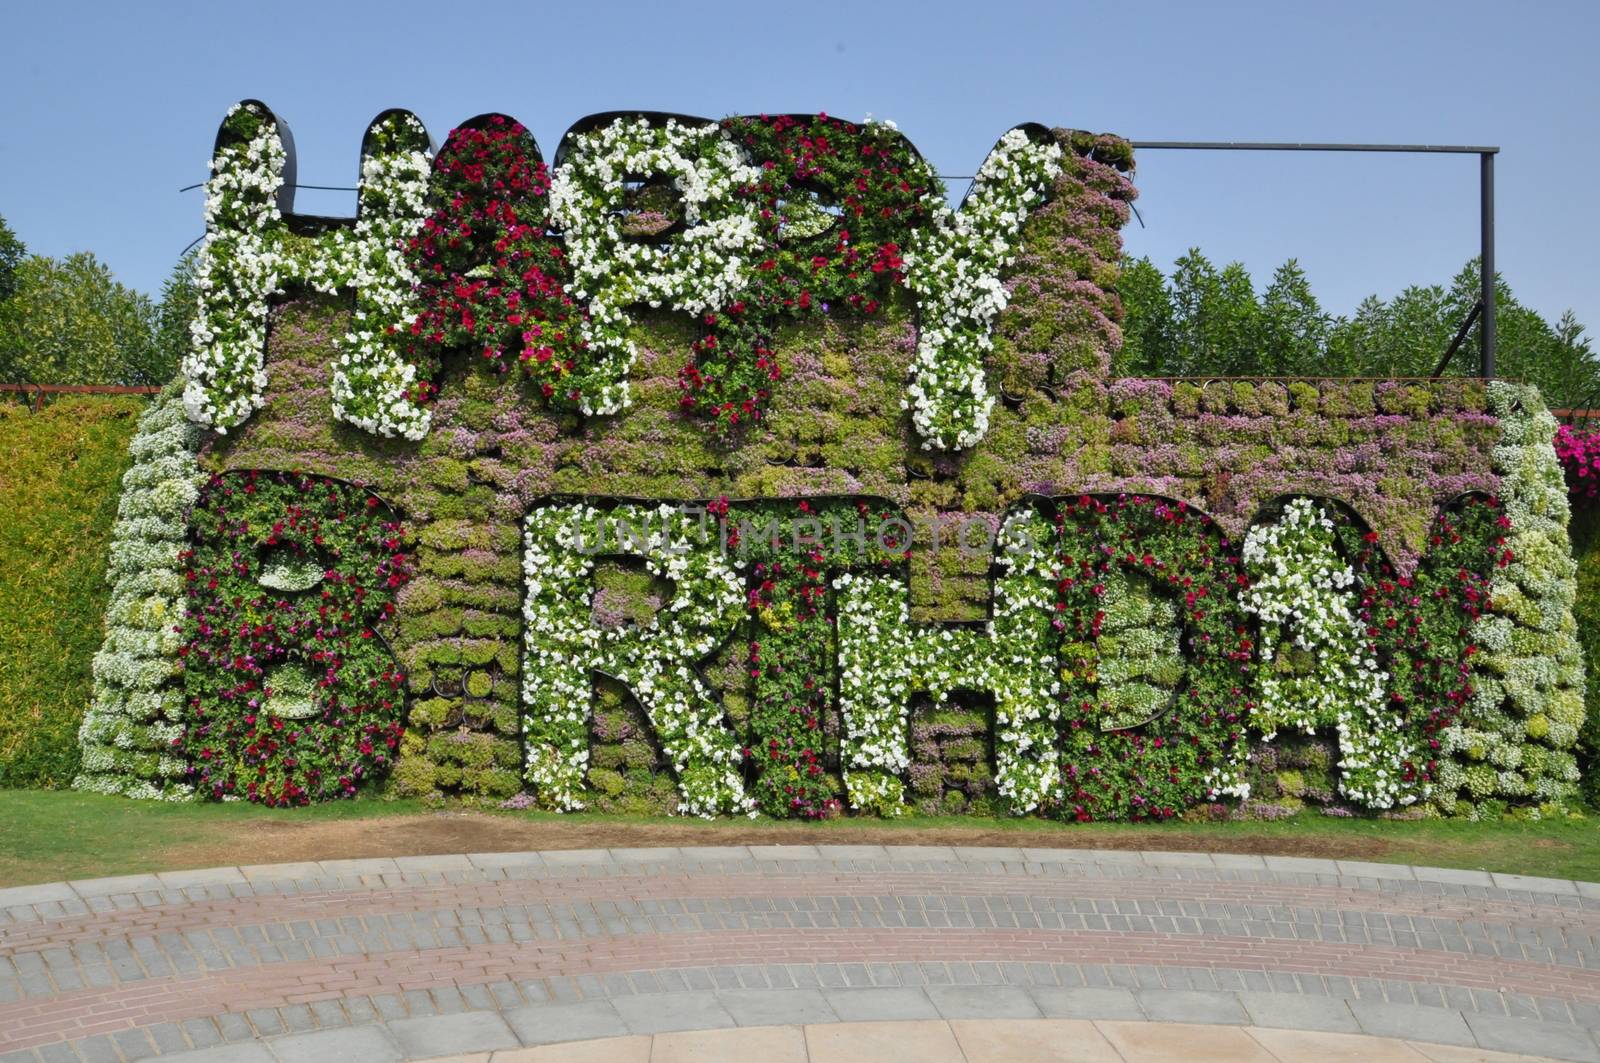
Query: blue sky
(110, 108)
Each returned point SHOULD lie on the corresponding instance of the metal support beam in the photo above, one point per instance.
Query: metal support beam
(1461, 335)
(1486, 266)
(1485, 154)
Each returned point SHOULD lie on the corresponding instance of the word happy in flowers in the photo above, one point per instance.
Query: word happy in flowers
(486, 249)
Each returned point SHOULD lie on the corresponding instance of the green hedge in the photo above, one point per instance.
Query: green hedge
(1586, 548)
(60, 471)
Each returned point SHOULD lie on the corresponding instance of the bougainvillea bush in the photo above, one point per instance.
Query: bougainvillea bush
(1579, 451)
(741, 473)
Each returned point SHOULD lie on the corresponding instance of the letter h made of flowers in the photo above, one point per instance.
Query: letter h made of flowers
(884, 659)
(254, 247)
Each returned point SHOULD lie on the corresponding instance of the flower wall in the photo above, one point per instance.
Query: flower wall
(135, 719)
(1516, 739)
(732, 339)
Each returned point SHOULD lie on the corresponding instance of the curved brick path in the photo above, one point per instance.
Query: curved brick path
(427, 956)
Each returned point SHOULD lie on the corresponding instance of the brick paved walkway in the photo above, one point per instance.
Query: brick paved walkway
(427, 956)
(992, 1041)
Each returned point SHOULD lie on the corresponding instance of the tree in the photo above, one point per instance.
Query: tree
(180, 300)
(12, 251)
(69, 322)
(1563, 365)
(1206, 322)
(1196, 291)
(1405, 336)
(1216, 320)
(1294, 330)
(1233, 323)
(1147, 341)
(1577, 378)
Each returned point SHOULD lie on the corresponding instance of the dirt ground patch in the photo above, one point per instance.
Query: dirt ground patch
(47, 836)
(466, 832)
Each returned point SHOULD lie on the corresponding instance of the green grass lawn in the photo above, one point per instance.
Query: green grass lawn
(48, 835)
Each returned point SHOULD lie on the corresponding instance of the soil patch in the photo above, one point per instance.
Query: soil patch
(466, 832)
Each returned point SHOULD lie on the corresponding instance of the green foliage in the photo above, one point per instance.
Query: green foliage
(128, 733)
(1293, 327)
(1586, 549)
(12, 251)
(1205, 321)
(1148, 326)
(180, 301)
(70, 322)
(59, 478)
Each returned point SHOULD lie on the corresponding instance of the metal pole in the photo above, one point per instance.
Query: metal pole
(1486, 212)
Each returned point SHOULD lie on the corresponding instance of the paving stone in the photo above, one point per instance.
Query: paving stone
(100, 1049)
(27, 896)
(484, 861)
(1294, 1012)
(251, 1052)
(1374, 870)
(924, 854)
(784, 852)
(668, 1012)
(1509, 927)
(1453, 876)
(1238, 862)
(853, 852)
(1412, 1022)
(1304, 865)
(1178, 859)
(983, 1002)
(168, 1037)
(776, 1007)
(662, 855)
(1534, 884)
(988, 854)
(579, 858)
(1090, 1002)
(1531, 1037)
(212, 876)
(259, 873)
(717, 854)
(106, 887)
(445, 1035)
(440, 862)
(540, 1024)
(352, 1044)
(880, 1004)
(234, 1027)
(1177, 1005)
(358, 868)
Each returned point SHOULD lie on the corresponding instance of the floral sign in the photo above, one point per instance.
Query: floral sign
(732, 467)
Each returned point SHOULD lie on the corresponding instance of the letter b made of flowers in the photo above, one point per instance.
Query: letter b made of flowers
(292, 695)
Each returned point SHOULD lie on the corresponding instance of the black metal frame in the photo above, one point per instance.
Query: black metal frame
(1485, 154)
(1484, 311)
